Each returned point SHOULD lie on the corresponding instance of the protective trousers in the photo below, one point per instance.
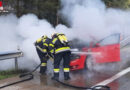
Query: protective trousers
(43, 59)
(66, 61)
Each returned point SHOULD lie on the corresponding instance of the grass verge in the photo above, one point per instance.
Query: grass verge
(10, 73)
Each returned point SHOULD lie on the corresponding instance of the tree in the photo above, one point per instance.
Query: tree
(48, 9)
(123, 4)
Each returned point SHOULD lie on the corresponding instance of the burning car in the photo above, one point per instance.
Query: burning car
(106, 50)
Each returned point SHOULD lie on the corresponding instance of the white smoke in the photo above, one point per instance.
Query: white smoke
(87, 18)
(91, 18)
(22, 32)
(31, 28)
(8, 38)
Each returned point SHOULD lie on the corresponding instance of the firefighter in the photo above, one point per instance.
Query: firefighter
(60, 49)
(42, 51)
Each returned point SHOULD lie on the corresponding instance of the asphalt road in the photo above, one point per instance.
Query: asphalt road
(78, 78)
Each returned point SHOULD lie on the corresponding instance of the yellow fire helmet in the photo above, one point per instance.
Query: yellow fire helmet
(44, 36)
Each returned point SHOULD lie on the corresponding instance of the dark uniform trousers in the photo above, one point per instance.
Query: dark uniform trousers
(43, 59)
(66, 61)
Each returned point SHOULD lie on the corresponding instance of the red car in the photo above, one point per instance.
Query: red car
(106, 50)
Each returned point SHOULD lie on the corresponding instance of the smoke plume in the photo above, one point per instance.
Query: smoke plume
(91, 18)
(88, 19)
(22, 33)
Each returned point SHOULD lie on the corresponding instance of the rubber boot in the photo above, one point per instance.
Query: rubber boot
(42, 69)
(66, 76)
(56, 76)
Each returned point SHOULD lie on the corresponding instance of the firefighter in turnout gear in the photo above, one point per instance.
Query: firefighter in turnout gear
(42, 51)
(60, 49)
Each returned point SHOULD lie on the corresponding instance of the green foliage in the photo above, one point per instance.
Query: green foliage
(27, 6)
(47, 9)
(123, 4)
(10, 73)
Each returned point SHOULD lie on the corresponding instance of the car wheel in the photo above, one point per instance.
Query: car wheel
(89, 63)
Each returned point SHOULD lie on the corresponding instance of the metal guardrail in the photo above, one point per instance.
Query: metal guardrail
(10, 55)
(125, 42)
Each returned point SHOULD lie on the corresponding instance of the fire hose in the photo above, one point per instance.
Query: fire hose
(30, 76)
(99, 87)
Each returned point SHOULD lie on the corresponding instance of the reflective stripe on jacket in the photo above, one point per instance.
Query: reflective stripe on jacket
(58, 47)
(62, 49)
(42, 44)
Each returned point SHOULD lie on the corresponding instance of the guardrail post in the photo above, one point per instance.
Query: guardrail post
(16, 63)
